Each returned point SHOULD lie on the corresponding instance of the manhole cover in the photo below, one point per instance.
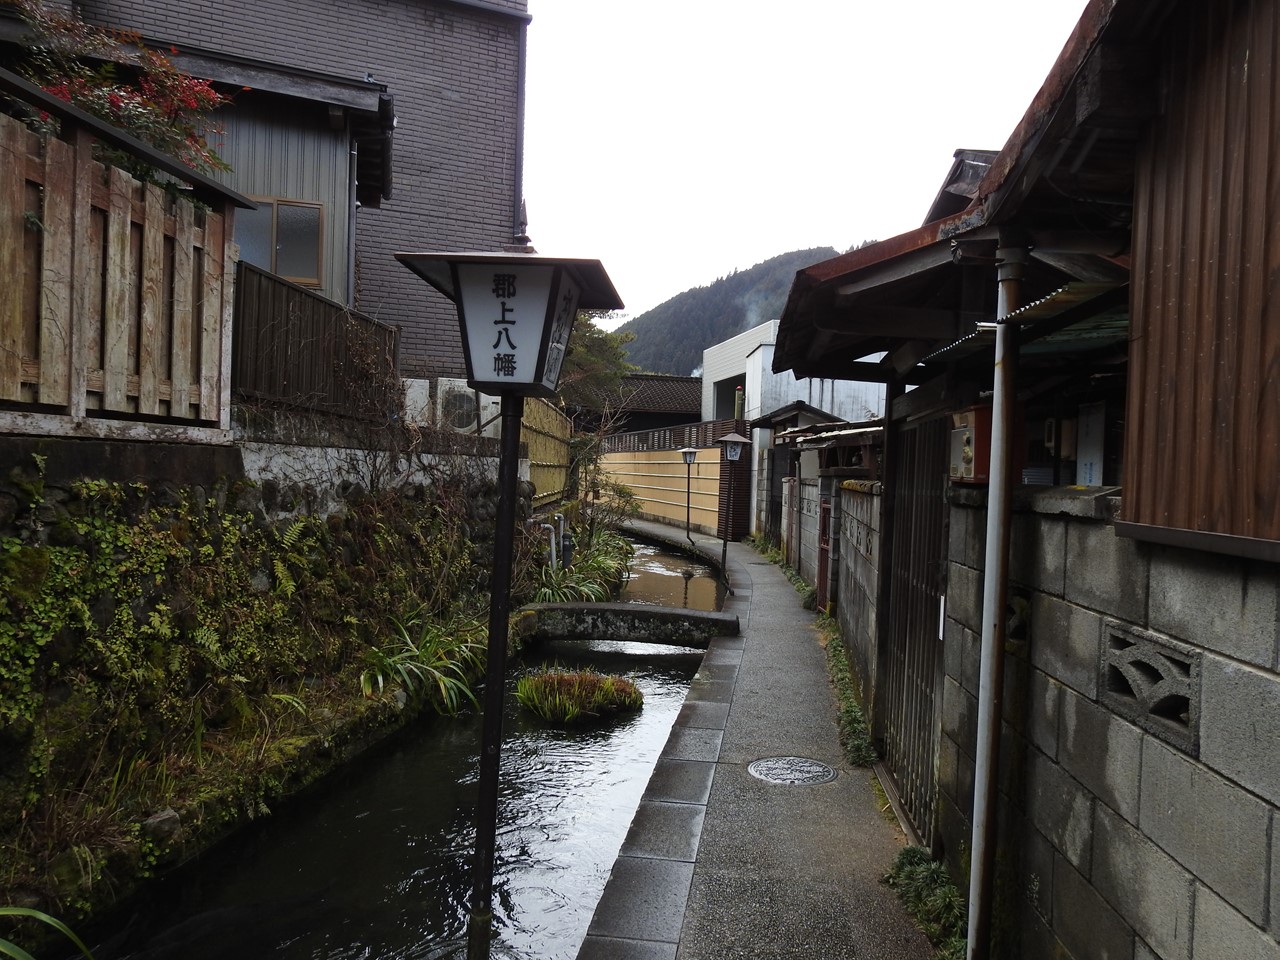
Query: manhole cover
(791, 771)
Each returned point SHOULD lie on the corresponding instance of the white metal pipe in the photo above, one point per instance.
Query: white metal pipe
(551, 536)
(994, 589)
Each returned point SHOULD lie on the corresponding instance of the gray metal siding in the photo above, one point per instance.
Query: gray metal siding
(455, 74)
(292, 154)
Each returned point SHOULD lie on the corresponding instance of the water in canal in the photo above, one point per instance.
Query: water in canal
(376, 862)
(661, 578)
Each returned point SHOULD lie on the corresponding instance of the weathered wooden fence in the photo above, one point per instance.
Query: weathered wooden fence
(297, 348)
(115, 295)
(122, 296)
(545, 432)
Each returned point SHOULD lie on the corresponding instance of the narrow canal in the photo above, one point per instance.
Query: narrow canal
(376, 862)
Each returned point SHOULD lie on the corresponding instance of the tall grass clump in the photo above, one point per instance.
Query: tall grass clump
(566, 697)
(598, 569)
(926, 890)
(11, 949)
(429, 659)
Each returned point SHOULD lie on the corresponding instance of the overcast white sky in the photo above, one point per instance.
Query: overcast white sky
(678, 140)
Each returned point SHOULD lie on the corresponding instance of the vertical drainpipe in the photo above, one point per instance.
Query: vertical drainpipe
(353, 207)
(893, 389)
(1012, 257)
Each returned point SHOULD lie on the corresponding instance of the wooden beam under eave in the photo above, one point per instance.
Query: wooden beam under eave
(909, 354)
(1116, 87)
(915, 323)
(943, 393)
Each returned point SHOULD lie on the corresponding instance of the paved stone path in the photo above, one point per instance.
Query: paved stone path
(719, 864)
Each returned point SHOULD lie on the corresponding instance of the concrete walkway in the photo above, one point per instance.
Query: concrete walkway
(720, 864)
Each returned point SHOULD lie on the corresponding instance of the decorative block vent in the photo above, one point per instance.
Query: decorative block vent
(1154, 682)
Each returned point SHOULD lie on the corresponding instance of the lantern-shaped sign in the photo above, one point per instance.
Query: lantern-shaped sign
(733, 444)
(516, 311)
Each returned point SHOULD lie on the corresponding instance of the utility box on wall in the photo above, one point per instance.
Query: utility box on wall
(971, 445)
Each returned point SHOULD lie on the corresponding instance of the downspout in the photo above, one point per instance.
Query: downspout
(353, 207)
(1012, 257)
(893, 389)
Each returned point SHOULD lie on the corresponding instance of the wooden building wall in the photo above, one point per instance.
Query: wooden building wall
(1203, 430)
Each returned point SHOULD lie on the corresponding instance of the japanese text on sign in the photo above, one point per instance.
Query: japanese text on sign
(504, 288)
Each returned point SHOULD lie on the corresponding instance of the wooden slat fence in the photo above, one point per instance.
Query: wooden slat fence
(670, 438)
(296, 348)
(115, 293)
(545, 431)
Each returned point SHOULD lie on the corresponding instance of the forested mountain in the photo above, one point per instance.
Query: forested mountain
(670, 338)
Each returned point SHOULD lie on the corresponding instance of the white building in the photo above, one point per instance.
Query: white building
(746, 361)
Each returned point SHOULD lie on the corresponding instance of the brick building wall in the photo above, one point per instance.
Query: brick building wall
(455, 70)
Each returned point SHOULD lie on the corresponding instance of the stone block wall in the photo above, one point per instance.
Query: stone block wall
(859, 580)
(1140, 775)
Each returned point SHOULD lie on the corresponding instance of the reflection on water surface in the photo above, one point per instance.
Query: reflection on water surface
(376, 862)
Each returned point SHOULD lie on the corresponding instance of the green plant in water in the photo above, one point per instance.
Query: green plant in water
(599, 567)
(438, 659)
(10, 949)
(926, 890)
(573, 696)
(568, 585)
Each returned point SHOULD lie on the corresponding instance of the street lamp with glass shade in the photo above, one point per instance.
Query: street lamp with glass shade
(733, 444)
(515, 311)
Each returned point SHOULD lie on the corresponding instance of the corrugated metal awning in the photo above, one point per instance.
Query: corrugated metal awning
(840, 438)
(1110, 324)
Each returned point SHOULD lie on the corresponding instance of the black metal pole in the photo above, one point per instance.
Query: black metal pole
(728, 519)
(480, 928)
(688, 494)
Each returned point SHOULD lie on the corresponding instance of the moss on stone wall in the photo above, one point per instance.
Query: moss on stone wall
(172, 663)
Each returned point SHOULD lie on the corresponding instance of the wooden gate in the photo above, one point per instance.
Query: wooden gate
(910, 681)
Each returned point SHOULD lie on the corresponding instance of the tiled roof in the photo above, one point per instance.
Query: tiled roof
(661, 393)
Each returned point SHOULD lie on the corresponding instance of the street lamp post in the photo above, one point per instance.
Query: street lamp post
(689, 454)
(515, 311)
(733, 444)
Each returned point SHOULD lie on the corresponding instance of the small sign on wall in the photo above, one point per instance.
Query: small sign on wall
(1091, 444)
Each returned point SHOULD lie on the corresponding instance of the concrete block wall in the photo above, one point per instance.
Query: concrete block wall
(1129, 827)
(455, 74)
(859, 581)
(806, 563)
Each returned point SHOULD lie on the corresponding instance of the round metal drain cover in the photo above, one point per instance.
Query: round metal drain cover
(793, 771)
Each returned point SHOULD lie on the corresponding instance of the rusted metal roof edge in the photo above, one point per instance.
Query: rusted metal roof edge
(1025, 137)
(838, 268)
